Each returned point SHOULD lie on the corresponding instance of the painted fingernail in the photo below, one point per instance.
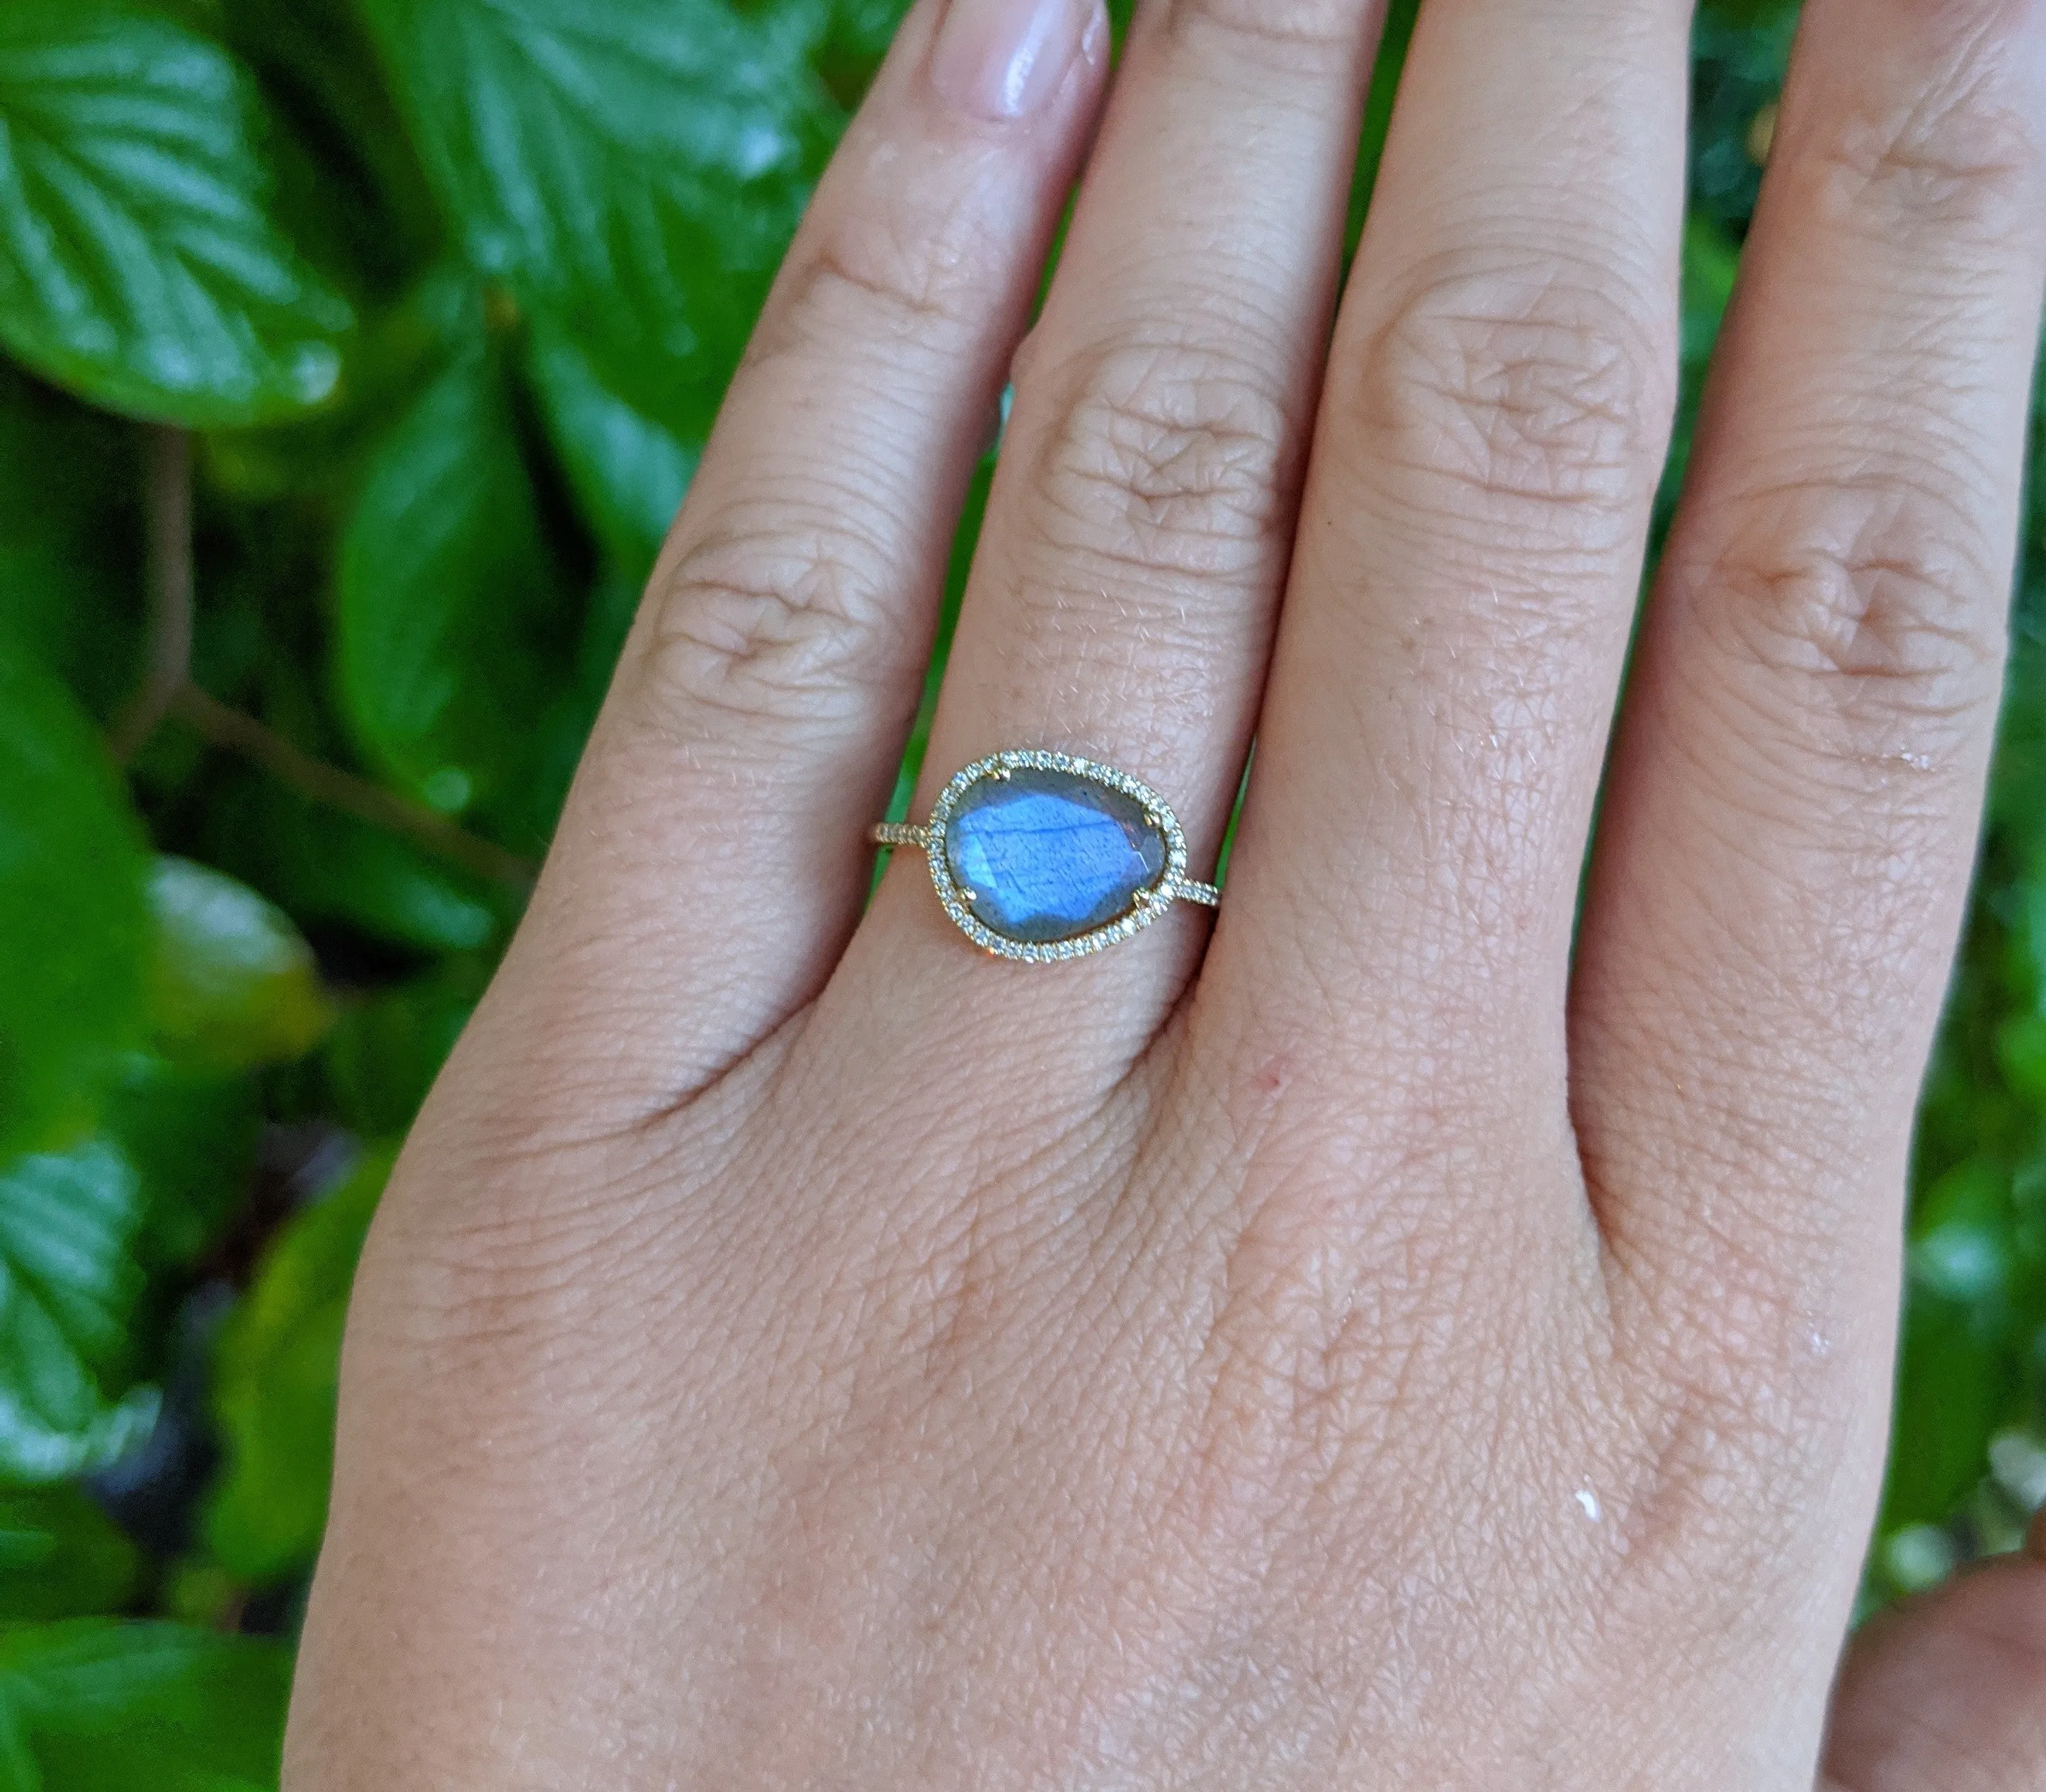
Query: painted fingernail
(1004, 59)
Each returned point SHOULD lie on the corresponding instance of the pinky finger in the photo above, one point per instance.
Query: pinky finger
(1793, 807)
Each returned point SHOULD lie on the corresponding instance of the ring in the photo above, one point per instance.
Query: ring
(1040, 856)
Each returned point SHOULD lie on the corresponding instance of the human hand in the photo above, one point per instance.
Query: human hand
(1363, 1349)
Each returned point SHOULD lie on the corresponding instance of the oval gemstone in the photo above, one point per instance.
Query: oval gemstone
(1042, 856)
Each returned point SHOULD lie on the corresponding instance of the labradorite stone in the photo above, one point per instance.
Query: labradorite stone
(1043, 856)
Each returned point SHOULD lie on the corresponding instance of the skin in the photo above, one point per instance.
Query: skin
(1347, 1344)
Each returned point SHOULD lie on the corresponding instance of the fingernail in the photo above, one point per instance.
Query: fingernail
(1004, 59)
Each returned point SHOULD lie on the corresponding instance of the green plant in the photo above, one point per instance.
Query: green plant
(357, 353)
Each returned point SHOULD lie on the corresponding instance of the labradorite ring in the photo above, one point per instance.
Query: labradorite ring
(1041, 856)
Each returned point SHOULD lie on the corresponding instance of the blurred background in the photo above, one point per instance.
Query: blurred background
(353, 356)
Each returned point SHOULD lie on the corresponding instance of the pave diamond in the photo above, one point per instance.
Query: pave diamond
(1042, 855)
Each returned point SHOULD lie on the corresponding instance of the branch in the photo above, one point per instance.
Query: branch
(170, 588)
(343, 790)
(167, 691)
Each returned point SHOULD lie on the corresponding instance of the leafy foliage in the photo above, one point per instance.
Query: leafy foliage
(632, 170)
(61, 1555)
(276, 1382)
(142, 265)
(72, 1227)
(447, 593)
(447, 292)
(89, 1706)
(72, 865)
(232, 984)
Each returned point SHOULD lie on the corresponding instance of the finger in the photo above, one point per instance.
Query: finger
(1947, 1693)
(1498, 402)
(1793, 809)
(713, 858)
(1121, 601)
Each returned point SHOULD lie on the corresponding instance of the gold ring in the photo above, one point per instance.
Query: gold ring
(1041, 857)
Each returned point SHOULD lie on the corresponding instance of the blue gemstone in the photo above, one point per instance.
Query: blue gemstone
(1045, 856)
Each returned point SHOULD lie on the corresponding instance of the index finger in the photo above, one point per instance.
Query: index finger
(713, 856)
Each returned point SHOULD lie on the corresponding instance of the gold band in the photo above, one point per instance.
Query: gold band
(901, 833)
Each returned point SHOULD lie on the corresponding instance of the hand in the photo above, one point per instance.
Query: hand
(1360, 1348)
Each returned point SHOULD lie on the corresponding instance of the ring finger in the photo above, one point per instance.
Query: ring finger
(1121, 602)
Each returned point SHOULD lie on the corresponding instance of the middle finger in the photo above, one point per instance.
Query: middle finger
(1499, 403)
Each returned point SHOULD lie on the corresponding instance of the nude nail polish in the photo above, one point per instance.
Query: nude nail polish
(1006, 58)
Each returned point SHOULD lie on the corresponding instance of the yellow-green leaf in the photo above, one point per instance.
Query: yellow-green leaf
(276, 1371)
(232, 984)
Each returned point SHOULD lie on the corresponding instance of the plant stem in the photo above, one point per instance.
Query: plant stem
(170, 587)
(167, 691)
(367, 802)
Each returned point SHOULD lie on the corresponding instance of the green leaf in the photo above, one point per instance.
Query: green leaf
(628, 473)
(233, 984)
(71, 1281)
(74, 925)
(450, 608)
(525, 814)
(1960, 1247)
(313, 59)
(191, 1137)
(324, 866)
(276, 1369)
(856, 36)
(81, 1233)
(87, 1705)
(2016, 806)
(1747, 14)
(1711, 264)
(387, 1049)
(1737, 71)
(60, 1556)
(70, 545)
(1400, 17)
(139, 265)
(399, 352)
(632, 171)
(2022, 1051)
(1956, 1382)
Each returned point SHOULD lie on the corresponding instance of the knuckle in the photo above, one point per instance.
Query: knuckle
(1735, 1405)
(1517, 392)
(1868, 607)
(908, 279)
(1290, 1354)
(783, 625)
(1710, 1490)
(1167, 457)
(1962, 159)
